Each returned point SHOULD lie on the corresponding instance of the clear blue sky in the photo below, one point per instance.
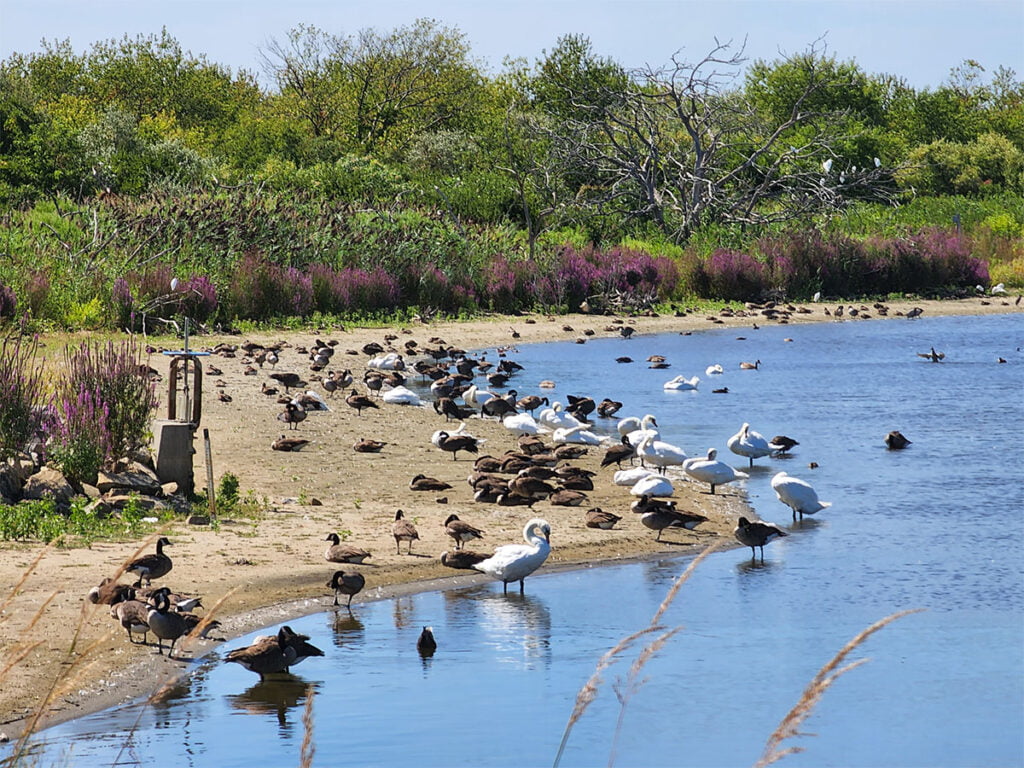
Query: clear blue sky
(918, 40)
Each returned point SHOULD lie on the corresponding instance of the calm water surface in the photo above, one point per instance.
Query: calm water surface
(937, 526)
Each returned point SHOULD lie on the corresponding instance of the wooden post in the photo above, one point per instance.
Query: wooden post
(209, 473)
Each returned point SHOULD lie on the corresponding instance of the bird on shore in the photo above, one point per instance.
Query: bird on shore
(598, 518)
(426, 644)
(607, 408)
(455, 443)
(658, 453)
(292, 414)
(514, 562)
(133, 615)
(424, 483)
(109, 592)
(359, 402)
(350, 584)
(152, 566)
(461, 531)
(338, 552)
(798, 495)
(895, 441)
(463, 559)
(661, 517)
(756, 534)
(164, 623)
(711, 470)
(271, 654)
(289, 443)
(368, 445)
(403, 530)
(748, 443)
(288, 380)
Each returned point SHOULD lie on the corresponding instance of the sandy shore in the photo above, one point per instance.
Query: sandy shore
(271, 568)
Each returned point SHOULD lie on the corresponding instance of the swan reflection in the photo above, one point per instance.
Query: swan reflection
(518, 626)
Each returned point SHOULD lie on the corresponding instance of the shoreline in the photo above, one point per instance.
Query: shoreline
(277, 562)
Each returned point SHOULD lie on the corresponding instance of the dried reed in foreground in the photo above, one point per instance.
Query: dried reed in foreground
(589, 690)
(828, 674)
(308, 747)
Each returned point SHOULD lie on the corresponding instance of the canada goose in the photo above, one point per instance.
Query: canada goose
(915, 312)
(512, 500)
(461, 531)
(373, 348)
(598, 518)
(270, 654)
(563, 497)
(711, 470)
(450, 410)
(529, 488)
(456, 443)
(152, 566)
(403, 530)
(531, 444)
(624, 359)
(337, 552)
(514, 562)
(487, 464)
(463, 559)
(426, 645)
(180, 603)
(358, 401)
(133, 615)
(288, 380)
(109, 592)
(798, 495)
(780, 444)
(607, 408)
(531, 403)
(618, 453)
(164, 623)
(660, 518)
(569, 451)
(346, 584)
(268, 391)
(497, 407)
(580, 407)
(367, 445)
(272, 358)
(288, 443)
(756, 534)
(932, 355)
(626, 331)
(750, 366)
(424, 483)
(895, 440)
(292, 414)
(577, 483)
(748, 443)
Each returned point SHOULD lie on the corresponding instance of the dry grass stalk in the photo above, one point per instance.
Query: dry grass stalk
(828, 674)
(21, 582)
(308, 747)
(588, 692)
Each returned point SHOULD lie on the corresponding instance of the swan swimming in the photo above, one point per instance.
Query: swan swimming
(798, 495)
(659, 453)
(681, 383)
(714, 370)
(748, 443)
(712, 471)
(514, 562)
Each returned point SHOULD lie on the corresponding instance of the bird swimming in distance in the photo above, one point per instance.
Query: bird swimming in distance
(895, 441)
(514, 562)
(426, 644)
(932, 355)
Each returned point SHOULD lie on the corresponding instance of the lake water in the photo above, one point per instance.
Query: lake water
(937, 526)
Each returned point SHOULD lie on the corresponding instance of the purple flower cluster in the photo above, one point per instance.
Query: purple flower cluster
(80, 439)
(733, 275)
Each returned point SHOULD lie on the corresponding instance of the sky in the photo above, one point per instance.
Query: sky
(919, 41)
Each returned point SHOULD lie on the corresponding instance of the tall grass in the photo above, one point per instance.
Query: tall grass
(21, 394)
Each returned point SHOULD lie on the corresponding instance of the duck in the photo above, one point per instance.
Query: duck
(337, 552)
(455, 443)
(653, 485)
(514, 562)
(368, 445)
(597, 518)
(350, 584)
(756, 534)
(403, 530)
(658, 453)
(463, 559)
(292, 414)
(714, 370)
(461, 531)
(798, 495)
(152, 566)
(682, 384)
(289, 443)
(359, 402)
(745, 366)
(660, 518)
(426, 644)
(133, 615)
(748, 443)
(895, 441)
(711, 470)
(401, 396)
(164, 623)
(782, 445)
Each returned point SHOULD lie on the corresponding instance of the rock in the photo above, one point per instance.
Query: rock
(12, 480)
(198, 520)
(90, 491)
(48, 483)
(137, 478)
(169, 489)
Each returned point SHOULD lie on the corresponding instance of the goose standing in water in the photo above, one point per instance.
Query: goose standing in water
(152, 566)
(270, 654)
(745, 366)
(514, 562)
(712, 471)
(426, 645)
(798, 495)
(346, 584)
(748, 443)
(661, 517)
(403, 530)
(756, 534)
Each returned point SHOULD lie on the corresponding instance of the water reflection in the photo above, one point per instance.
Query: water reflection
(275, 696)
(347, 629)
(518, 626)
(403, 608)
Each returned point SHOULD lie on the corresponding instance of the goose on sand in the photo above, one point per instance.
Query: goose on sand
(660, 518)
(455, 443)
(368, 445)
(346, 584)
(339, 552)
(598, 518)
(514, 562)
(756, 534)
(461, 531)
(798, 495)
(403, 530)
(748, 443)
(711, 470)
(152, 566)
(165, 623)
(424, 483)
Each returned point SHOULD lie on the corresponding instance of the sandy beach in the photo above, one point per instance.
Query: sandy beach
(270, 567)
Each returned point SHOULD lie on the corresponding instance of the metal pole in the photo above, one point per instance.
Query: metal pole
(209, 473)
(187, 372)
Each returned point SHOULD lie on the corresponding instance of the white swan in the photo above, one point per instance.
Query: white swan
(632, 476)
(682, 383)
(392, 361)
(401, 396)
(555, 418)
(475, 397)
(522, 424)
(514, 562)
(578, 435)
(632, 424)
(748, 443)
(658, 453)
(712, 471)
(714, 370)
(798, 495)
(653, 485)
